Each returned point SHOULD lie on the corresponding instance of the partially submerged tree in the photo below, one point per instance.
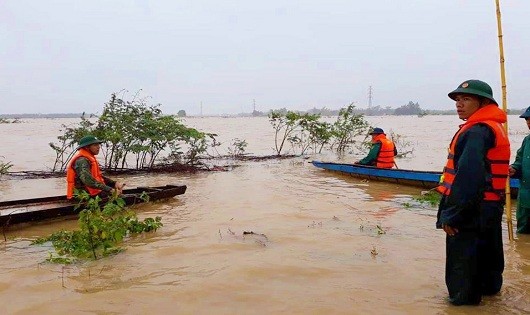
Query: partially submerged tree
(347, 129)
(284, 126)
(134, 131)
(304, 131)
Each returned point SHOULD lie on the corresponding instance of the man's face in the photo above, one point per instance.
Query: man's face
(527, 122)
(466, 105)
(94, 148)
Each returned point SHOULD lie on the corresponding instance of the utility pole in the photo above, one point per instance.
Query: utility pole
(254, 100)
(201, 108)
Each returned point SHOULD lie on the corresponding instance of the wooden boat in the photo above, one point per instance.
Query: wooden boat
(37, 209)
(423, 179)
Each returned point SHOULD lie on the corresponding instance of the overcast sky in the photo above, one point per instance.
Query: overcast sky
(69, 56)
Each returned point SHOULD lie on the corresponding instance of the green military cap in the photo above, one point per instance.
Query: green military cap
(474, 87)
(88, 140)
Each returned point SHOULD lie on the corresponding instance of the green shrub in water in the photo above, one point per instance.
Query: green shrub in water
(102, 228)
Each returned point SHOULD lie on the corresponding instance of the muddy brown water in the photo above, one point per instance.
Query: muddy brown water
(320, 251)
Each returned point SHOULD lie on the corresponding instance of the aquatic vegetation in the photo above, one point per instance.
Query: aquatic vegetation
(237, 147)
(430, 197)
(4, 167)
(101, 230)
(427, 199)
(374, 252)
(380, 230)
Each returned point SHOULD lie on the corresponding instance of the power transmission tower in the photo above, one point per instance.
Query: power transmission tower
(370, 99)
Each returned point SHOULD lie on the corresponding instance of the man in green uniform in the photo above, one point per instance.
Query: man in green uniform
(521, 169)
(83, 171)
(371, 158)
(471, 208)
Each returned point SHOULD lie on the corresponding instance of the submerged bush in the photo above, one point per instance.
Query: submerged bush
(101, 230)
(306, 131)
(4, 167)
(134, 131)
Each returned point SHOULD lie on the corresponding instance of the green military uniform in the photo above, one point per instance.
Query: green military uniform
(474, 255)
(522, 171)
(84, 177)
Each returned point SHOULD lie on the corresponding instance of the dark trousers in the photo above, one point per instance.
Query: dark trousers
(474, 264)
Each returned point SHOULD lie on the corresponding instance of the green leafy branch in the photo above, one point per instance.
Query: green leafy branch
(101, 231)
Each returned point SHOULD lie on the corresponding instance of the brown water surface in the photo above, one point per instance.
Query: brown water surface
(320, 251)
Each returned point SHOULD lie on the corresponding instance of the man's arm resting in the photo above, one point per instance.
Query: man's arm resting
(372, 155)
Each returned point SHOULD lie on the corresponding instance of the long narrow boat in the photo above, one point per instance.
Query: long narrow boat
(424, 179)
(37, 209)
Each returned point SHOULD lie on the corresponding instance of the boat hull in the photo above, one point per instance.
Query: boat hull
(423, 179)
(38, 209)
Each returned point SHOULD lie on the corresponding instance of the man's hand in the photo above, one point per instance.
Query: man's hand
(511, 171)
(449, 230)
(119, 187)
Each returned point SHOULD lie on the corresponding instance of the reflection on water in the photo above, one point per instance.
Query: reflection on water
(323, 242)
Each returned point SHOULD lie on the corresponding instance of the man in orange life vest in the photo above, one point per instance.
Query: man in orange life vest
(382, 151)
(83, 171)
(472, 187)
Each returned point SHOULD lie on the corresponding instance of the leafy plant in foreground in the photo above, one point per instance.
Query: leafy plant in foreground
(101, 230)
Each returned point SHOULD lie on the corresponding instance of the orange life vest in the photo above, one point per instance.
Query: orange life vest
(385, 157)
(498, 158)
(94, 170)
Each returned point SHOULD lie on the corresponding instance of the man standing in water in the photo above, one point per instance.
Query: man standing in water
(473, 185)
(382, 151)
(521, 169)
(83, 171)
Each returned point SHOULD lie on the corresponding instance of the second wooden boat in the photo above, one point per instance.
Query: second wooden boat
(423, 179)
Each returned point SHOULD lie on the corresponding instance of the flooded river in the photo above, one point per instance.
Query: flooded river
(324, 243)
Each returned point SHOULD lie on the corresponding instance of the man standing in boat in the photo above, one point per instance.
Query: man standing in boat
(382, 151)
(472, 186)
(83, 171)
(521, 169)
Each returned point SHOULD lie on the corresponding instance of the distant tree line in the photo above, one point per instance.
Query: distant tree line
(412, 108)
(52, 115)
